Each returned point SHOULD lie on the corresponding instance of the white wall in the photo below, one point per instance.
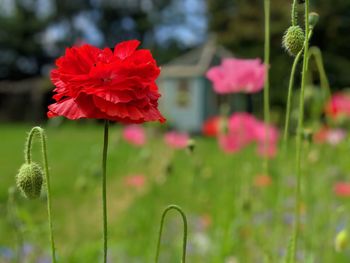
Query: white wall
(188, 118)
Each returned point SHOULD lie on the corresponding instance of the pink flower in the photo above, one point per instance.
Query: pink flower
(266, 138)
(134, 134)
(336, 136)
(240, 132)
(176, 140)
(338, 106)
(136, 181)
(331, 136)
(238, 75)
(342, 189)
(244, 129)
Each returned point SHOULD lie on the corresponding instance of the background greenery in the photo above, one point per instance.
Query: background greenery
(229, 216)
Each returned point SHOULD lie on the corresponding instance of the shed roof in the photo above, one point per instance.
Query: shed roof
(196, 62)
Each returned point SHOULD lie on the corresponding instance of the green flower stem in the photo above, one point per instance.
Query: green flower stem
(294, 16)
(267, 79)
(299, 138)
(184, 219)
(104, 190)
(37, 131)
(290, 93)
(289, 97)
(317, 54)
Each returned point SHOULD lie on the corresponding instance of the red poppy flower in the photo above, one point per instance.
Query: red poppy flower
(101, 84)
(342, 189)
(211, 126)
(338, 106)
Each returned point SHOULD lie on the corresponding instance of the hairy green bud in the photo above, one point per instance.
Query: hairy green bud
(30, 180)
(293, 40)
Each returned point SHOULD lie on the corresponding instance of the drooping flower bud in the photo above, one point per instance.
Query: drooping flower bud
(30, 180)
(293, 40)
(313, 19)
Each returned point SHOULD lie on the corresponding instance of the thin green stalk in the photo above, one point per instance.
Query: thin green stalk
(104, 190)
(267, 80)
(289, 97)
(299, 137)
(317, 54)
(290, 94)
(41, 133)
(184, 219)
(294, 16)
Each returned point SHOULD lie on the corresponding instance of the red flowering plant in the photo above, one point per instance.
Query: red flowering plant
(116, 85)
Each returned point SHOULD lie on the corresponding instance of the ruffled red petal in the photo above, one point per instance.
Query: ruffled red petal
(67, 108)
(126, 48)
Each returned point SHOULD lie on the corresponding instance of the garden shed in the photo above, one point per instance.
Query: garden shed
(187, 95)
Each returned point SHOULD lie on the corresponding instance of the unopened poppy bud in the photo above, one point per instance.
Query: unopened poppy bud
(30, 180)
(313, 19)
(341, 240)
(293, 40)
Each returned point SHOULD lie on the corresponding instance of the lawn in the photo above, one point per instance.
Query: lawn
(232, 216)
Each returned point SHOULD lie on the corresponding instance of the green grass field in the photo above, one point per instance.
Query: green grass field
(230, 219)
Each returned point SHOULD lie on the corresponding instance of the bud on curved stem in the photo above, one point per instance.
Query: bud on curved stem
(30, 180)
(184, 219)
(290, 93)
(300, 127)
(293, 40)
(34, 169)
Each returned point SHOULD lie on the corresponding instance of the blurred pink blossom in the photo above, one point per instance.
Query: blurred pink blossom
(134, 134)
(176, 140)
(237, 75)
(244, 129)
(331, 136)
(338, 105)
(267, 138)
(342, 189)
(136, 181)
(240, 132)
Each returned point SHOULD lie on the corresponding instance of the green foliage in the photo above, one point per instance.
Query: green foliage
(230, 218)
(24, 53)
(19, 39)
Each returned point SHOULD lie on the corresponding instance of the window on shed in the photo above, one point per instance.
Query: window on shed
(183, 93)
